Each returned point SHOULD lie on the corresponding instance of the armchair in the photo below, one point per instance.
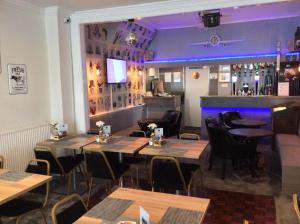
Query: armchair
(226, 117)
(170, 122)
(225, 147)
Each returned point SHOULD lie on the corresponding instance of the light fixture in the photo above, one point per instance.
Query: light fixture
(98, 69)
(299, 68)
(131, 39)
(234, 78)
(256, 77)
(196, 75)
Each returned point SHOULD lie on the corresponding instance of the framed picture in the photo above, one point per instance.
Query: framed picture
(17, 79)
(224, 77)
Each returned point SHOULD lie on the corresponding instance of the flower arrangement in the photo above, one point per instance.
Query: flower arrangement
(100, 124)
(54, 125)
(58, 130)
(152, 126)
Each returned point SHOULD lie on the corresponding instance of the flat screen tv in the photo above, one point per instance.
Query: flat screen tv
(116, 71)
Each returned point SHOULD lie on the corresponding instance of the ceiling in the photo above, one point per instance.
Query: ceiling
(229, 15)
(79, 5)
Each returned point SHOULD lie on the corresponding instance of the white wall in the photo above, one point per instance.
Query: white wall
(23, 41)
(60, 66)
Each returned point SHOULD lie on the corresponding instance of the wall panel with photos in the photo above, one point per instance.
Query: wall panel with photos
(108, 41)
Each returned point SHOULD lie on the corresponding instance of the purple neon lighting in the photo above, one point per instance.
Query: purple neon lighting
(219, 58)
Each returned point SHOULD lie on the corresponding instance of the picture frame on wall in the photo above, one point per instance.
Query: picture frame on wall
(17, 79)
(224, 77)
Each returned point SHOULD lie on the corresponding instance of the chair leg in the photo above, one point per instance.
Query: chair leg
(137, 177)
(44, 217)
(18, 221)
(90, 190)
(224, 169)
(121, 182)
(211, 160)
(69, 176)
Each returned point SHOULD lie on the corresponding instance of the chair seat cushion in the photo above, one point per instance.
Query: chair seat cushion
(18, 207)
(119, 169)
(68, 162)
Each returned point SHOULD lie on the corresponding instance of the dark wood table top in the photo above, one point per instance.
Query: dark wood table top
(178, 148)
(248, 122)
(69, 142)
(120, 144)
(251, 132)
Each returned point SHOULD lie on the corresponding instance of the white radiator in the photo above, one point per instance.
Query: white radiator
(17, 146)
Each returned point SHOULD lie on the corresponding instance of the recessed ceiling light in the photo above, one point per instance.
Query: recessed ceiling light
(235, 7)
(138, 18)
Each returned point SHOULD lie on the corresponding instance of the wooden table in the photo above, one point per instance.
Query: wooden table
(69, 142)
(119, 144)
(178, 148)
(248, 123)
(156, 204)
(10, 189)
(251, 132)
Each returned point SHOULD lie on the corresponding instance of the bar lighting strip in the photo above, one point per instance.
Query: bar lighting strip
(220, 58)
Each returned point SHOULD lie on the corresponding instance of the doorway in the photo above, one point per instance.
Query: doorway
(196, 85)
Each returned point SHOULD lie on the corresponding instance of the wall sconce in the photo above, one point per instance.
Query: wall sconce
(98, 69)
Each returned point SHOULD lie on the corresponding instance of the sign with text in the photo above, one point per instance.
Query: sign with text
(17, 79)
(144, 216)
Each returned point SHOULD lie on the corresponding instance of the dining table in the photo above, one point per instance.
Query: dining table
(124, 205)
(119, 144)
(251, 132)
(178, 148)
(75, 142)
(248, 123)
(16, 183)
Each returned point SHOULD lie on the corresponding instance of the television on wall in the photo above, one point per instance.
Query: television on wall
(116, 71)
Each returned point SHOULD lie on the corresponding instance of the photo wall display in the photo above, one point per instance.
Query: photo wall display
(105, 97)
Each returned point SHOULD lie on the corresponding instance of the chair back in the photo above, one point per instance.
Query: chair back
(189, 136)
(1, 162)
(173, 116)
(296, 205)
(98, 165)
(138, 133)
(41, 167)
(216, 139)
(45, 153)
(226, 117)
(68, 210)
(165, 172)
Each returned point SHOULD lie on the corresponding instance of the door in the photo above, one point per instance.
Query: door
(196, 85)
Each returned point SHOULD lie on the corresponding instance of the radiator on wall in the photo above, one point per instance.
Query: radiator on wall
(16, 146)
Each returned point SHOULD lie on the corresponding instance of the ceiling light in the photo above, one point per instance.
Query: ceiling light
(235, 7)
(131, 38)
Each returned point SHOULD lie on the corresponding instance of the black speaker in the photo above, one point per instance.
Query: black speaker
(211, 19)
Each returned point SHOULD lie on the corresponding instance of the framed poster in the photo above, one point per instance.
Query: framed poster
(17, 79)
(224, 77)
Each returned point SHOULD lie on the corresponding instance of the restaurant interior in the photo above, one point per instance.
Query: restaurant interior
(160, 111)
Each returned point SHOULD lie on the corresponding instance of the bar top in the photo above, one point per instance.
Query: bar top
(248, 101)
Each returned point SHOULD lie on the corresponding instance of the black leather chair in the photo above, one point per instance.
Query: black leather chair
(167, 173)
(68, 210)
(1, 162)
(18, 208)
(225, 147)
(64, 165)
(170, 122)
(226, 117)
(99, 166)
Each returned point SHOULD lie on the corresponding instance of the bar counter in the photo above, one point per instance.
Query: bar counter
(251, 107)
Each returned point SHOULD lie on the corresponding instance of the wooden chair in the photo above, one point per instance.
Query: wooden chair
(1, 162)
(190, 136)
(296, 205)
(63, 214)
(20, 207)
